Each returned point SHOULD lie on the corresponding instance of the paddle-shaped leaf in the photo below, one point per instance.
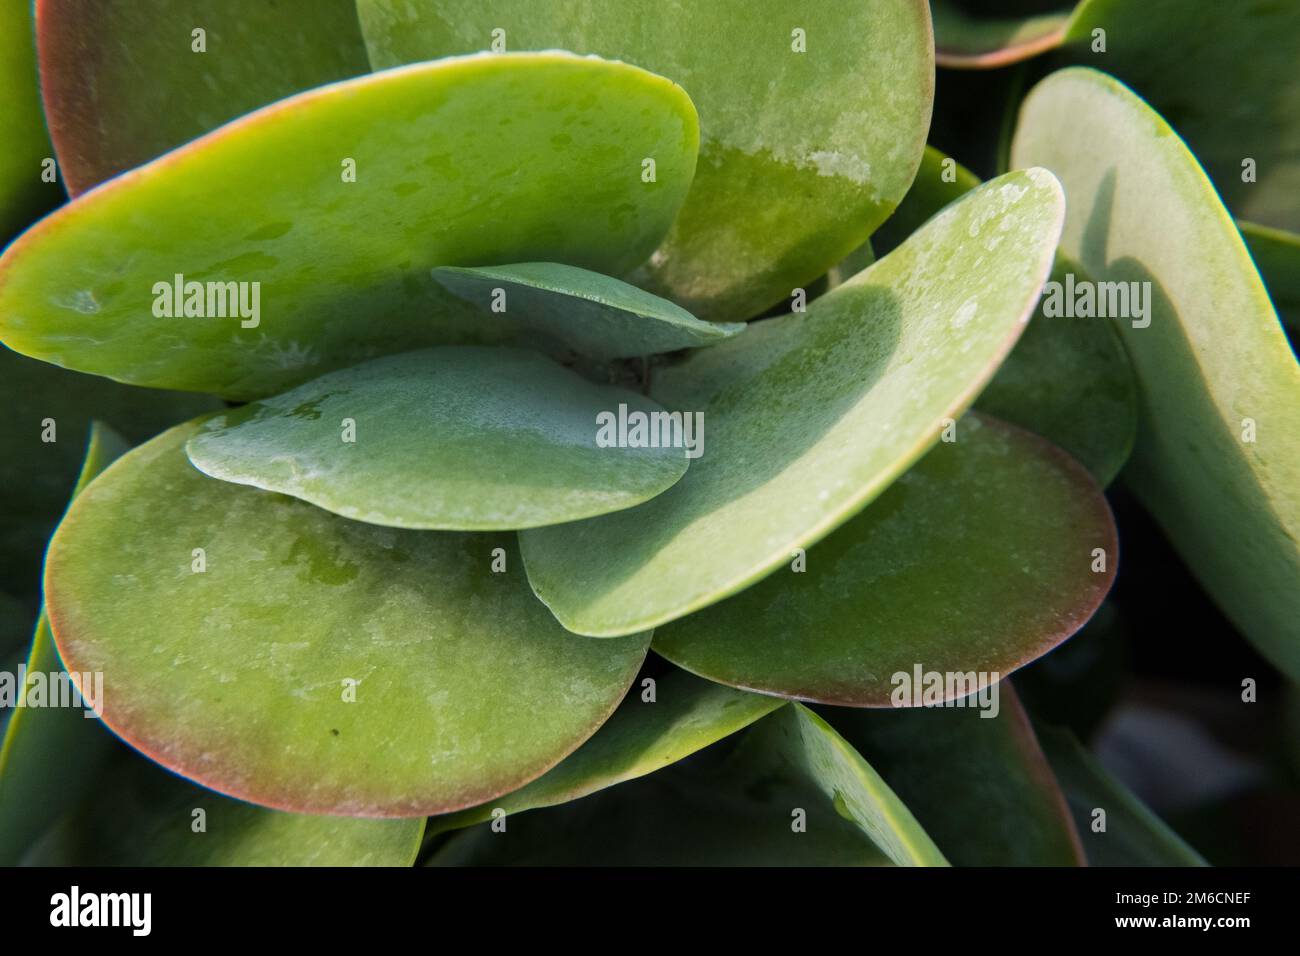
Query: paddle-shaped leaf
(303, 661)
(23, 191)
(461, 162)
(125, 82)
(792, 793)
(50, 754)
(897, 587)
(971, 40)
(1011, 811)
(685, 715)
(810, 416)
(593, 314)
(1133, 835)
(813, 119)
(1217, 459)
(469, 439)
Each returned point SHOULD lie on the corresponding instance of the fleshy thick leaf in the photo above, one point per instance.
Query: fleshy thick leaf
(949, 570)
(47, 416)
(1134, 836)
(50, 754)
(470, 439)
(802, 154)
(465, 161)
(643, 737)
(965, 41)
(312, 663)
(125, 82)
(789, 770)
(810, 416)
(1224, 76)
(22, 127)
(595, 315)
(140, 815)
(1011, 811)
(1217, 459)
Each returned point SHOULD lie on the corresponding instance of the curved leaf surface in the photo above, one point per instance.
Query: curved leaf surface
(23, 194)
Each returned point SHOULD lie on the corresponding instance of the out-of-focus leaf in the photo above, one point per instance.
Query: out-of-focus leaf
(809, 417)
(1217, 458)
(792, 793)
(643, 737)
(310, 663)
(1277, 256)
(50, 754)
(23, 193)
(468, 439)
(1011, 811)
(125, 82)
(466, 161)
(1133, 835)
(813, 119)
(897, 587)
(966, 39)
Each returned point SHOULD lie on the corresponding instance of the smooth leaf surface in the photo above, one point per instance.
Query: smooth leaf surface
(1277, 256)
(595, 315)
(22, 127)
(1134, 836)
(469, 439)
(949, 571)
(50, 755)
(140, 815)
(643, 737)
(963, 40)
(1224, 76)
(466, 161)
(1010, 812)
(47, 416)
(802, 153)
(808, 417)
(124, 82)
(1217, 458)
(734, 807)
(316, 664)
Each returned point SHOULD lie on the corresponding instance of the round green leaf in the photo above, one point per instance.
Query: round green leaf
(813, 119)
(125, 82)
(311, 663)
(469, 439)
(465, 161)
(1011, 811)
(22, 127)
(1217, 459)
(809, 417)
(644, 736)
(594, 314)
(950, 571)
(964, 40)
(1224, 76)
(1277, 256)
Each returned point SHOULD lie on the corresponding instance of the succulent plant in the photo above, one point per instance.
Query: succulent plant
(607, 432)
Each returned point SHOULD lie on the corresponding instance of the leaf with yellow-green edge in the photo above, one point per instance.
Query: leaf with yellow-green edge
(23, 191)
(644, 736)
(860, 608)
(596, 315)
(125, 82)
(1277, 256)
(1133, 835)
(1224, 76)
(466, 161)
(1012, 812)
(46, 416)
(50, 754)
(459, 438)
(990, 36)
(812, 119)
(808, 417)
(1068, 378)
(792, 792)
(310, 663)
(141, 815)
(1217, 457)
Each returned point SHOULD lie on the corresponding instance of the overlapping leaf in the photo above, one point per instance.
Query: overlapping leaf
(23, 191)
